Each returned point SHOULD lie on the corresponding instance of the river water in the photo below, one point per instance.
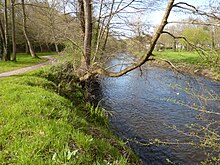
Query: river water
(153, 108)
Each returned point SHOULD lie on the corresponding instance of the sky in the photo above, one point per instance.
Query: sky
(152, 18)
(156, 16)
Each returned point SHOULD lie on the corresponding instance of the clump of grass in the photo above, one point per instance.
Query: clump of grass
(38, 126)
(97, 114)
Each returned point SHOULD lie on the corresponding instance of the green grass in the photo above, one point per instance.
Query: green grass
(207, 64)
(194, 61)
(181, 57)
(23, 60)
(38, 126)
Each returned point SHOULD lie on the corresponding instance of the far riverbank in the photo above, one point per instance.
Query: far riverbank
(188, 62)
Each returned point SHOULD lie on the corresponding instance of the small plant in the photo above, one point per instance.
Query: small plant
(97, 114)
(65, 155)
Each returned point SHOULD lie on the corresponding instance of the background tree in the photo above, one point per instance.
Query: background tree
(6, 50)
(198, 36)
(25, 31)
(13, 29)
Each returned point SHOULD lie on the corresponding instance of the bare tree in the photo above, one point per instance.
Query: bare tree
(88, 32)
(6, 51)
(13, 29)
(143, 60)
(81, 15)
(25, 31)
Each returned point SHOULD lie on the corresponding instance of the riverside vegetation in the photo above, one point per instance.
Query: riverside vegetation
(45, 120)
(207, 65)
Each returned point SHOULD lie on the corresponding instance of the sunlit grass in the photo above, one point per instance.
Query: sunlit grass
(38, 126)
(181, 57)
(23, 60)
(210, 61)
(190, 61)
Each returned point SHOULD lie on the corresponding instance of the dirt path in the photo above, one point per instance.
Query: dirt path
(29, 68)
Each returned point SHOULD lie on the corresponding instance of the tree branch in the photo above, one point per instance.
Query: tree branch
(195, 23)
(141, 61)
(197, 48)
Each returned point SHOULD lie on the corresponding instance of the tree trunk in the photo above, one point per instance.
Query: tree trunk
(27, 51)
(13, 29)
(81, 16)
(96, 42)
(2, 38)
(25, 31)
(103, 29)
(144, 59)
(1, 48)
(213, 38)
(55, 41)
(106, 39)
(88, 32)
(174, 45)
(41, 48)
(6, 54)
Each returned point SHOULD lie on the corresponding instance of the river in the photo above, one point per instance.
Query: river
(153, 108)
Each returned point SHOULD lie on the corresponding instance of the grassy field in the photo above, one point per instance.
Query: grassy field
(46, 121)
(23, 60)
(180, 57)
(208, 64)
(192, 62)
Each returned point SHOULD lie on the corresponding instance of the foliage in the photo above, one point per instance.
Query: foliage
(198, 36)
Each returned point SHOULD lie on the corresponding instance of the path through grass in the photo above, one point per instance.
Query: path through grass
(23, 60)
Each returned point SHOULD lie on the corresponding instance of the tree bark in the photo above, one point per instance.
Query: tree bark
(174, 45)
(6, 54)
(13, 29)
(27, 51)
(103, 29)
(2, 39)
(25, 31)
(88, 32)
(81, 16)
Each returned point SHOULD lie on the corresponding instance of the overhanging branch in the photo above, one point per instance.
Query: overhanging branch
(142, 60)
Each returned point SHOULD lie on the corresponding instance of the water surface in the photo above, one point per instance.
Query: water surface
(146, 105)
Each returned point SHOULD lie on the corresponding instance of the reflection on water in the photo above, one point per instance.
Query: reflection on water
(145, 105)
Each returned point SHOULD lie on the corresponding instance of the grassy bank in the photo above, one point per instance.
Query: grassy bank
(192, 62)
(23, 60)
(44, 120)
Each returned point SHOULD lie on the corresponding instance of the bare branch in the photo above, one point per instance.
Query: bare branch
(169, 62)
(144, 59)
(194, 10)
(191, 7)
(195, 23)
(197, 48)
